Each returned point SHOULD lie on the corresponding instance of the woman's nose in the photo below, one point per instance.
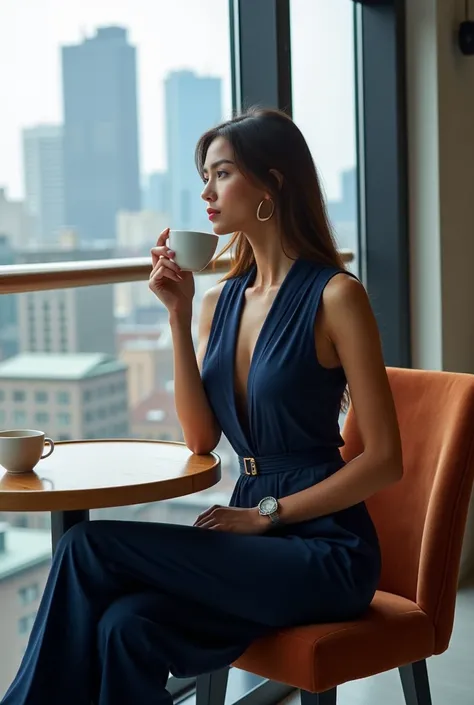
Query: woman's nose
(207, 194)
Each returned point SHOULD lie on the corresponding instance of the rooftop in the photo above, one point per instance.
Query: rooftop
(59, 366)
(24, 548)
(162, 342)
(157, 408)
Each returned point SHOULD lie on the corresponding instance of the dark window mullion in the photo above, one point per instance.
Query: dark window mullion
(261, 60)
(383, 174)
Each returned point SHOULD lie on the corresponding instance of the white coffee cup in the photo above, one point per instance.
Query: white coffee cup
(193, 250)
(22, 449)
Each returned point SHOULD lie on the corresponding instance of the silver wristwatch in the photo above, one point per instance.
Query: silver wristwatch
(268, 507)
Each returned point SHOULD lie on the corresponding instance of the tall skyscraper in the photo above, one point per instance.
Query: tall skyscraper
(343, 213)
(44, 183)
(101, 161)
(155, 193)
(193, 105)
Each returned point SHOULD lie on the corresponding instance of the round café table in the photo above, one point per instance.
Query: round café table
(83, 475)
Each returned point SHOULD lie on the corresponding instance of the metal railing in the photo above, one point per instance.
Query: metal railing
(20, 278)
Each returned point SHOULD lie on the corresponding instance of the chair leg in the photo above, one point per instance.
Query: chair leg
(211, 687)
(415, 683)
(328, 697)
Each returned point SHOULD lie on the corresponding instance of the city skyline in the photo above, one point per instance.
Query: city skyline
(83, 176)
(322, 113)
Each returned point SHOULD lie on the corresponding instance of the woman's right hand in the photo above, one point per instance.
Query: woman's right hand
(173, 287)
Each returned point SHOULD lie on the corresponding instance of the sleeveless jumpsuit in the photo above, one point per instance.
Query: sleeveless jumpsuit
(128, 602)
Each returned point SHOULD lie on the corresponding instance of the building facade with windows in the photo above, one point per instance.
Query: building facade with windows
(44, 183)
(15, 223)
(25, 557)
(66, 320)
(68, 396)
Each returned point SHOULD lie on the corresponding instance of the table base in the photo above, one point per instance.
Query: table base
(62, 521)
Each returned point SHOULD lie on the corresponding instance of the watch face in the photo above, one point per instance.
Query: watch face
(268, 505)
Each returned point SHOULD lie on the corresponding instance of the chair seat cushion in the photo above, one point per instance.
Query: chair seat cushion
(393, 632)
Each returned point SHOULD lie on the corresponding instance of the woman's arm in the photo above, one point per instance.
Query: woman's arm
(200, 428)
(351, 326)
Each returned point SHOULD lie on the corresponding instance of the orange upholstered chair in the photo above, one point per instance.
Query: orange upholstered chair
(420, 522)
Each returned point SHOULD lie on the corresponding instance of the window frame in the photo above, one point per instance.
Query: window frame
(261, 74)
(25, 594)
(382, 164)
(63, 397)
(41, 396)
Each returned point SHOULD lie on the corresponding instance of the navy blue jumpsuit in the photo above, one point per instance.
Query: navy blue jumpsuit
(128, 602)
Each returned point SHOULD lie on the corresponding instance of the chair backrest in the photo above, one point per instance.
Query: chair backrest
(421, 519)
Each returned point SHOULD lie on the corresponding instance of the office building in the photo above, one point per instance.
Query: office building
(8, 307)
(43, 179)
(193, 105)
(138, 231)
(66, 320)
(136, 234)
(150, 365)
(155, 192)
(155, 418)
(15, 223)
(343, 214)
(67, 396)
(25, 557)
(101, 157)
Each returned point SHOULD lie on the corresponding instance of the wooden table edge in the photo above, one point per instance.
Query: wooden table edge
(114, 496)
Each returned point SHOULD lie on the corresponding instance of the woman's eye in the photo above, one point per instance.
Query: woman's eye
(220, 174)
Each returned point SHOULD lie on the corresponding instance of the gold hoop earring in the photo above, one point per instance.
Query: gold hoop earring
(259, 217)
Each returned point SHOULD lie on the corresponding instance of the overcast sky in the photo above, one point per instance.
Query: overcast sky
(173, 34)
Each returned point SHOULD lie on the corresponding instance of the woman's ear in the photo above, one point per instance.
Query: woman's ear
(278, 177)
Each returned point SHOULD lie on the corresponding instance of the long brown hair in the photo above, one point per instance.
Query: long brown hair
(264, 140)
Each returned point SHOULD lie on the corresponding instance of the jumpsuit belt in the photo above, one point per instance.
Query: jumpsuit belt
(283, 462)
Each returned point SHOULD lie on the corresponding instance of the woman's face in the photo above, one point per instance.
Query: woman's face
(232, 201)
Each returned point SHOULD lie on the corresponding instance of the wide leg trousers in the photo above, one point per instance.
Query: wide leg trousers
(127, 602)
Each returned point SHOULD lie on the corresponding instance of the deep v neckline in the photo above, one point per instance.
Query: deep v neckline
(245, 423)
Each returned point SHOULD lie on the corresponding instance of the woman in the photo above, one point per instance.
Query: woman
(279, 339)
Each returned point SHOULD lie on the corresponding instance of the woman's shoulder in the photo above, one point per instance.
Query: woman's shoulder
(211, 296)
(343, 289)
(330, 275)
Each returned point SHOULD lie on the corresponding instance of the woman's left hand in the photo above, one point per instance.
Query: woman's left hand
(237, 520)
